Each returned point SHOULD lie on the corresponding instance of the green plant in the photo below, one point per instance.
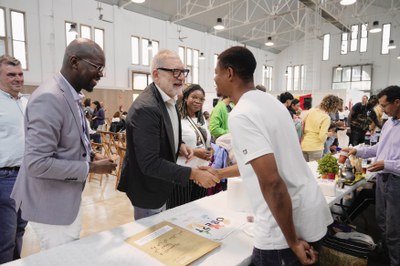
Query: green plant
(328, 164)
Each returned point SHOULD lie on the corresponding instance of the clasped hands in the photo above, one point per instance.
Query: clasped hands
(205, 176)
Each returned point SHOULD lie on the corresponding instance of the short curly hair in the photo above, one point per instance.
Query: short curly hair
(330, 103)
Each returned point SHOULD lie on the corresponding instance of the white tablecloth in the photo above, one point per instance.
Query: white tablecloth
(109, 247)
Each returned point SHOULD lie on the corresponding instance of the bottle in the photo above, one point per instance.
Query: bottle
(367, 138)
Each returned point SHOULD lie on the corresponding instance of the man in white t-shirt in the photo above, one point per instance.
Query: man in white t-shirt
(291, 214)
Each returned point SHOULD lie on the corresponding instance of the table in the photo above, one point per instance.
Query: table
(340, 193)
(109, 247)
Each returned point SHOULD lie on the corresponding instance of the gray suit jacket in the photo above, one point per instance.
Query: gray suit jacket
(53, 172)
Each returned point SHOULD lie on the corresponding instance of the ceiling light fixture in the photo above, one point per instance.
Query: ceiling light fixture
(202, 57)
(138, 1)
(339, 67)
(72, 29)
(269, 42)
(391, 45)
(375, 27)
(347, 2)
(398, 57)
(219, 25)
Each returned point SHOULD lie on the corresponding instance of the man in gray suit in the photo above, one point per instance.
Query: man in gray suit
(58, 154)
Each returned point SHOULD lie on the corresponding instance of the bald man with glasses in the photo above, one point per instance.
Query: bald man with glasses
(153, 133)
(58, 154)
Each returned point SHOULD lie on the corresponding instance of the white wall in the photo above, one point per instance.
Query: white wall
(46, 43)
(319, 80)
(46, 39)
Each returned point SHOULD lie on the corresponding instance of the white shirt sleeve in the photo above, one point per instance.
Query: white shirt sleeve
(250, 140)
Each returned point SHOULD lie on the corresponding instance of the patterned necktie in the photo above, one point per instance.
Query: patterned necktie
(84, 129)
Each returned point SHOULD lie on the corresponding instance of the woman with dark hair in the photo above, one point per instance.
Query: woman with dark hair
(195, 135)
(86, 106)
(98, 116)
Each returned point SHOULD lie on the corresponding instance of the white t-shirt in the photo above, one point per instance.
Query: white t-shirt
(261, 125)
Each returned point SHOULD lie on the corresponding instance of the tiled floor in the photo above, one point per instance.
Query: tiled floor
(103, 208)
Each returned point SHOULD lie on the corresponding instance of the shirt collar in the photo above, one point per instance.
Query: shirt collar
(75, 95)
(10, 96)
(165, 97)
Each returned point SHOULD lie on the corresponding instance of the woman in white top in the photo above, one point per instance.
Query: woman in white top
(195, 135)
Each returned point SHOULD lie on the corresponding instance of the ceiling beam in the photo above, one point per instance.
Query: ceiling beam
(326, 15)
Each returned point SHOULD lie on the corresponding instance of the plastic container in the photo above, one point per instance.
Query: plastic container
(343, 156)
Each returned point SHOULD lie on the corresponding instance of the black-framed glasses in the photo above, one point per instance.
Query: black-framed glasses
(176, 72)
(99, 68)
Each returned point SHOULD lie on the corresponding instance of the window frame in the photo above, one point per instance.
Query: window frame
(326, 47)
(137, 91)
(344, 42)
(25, 42)
(342, 84)
(187, 56)
(355, 29)
(295, 82)
(267, 77)
(364, 29)
(88, 26)
(66, 24)
(385, 42)
(103, 44)
(5, 37)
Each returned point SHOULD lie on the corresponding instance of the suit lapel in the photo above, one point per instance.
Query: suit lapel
(166, 118)
(72, 106)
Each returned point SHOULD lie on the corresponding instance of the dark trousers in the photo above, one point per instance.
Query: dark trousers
(279, 257)
(183, 194)
(388, 214)
(361, 202)
(12, 226)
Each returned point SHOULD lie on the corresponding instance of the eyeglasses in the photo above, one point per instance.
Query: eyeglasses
(176, 72)
(197, 99)
(99, 68)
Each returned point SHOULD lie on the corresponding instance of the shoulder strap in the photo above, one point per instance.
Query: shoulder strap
(197, 130)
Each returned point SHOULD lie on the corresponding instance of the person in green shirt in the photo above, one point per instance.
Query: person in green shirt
(219, 118)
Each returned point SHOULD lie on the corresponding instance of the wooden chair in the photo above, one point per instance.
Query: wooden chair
(99, 147)
(108, 140)
(122, 139)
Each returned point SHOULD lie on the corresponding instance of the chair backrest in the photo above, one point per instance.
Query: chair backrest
(121, 152)
(122, 139)
(109, 143)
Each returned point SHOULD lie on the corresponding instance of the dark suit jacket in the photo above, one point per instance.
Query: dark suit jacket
(149, 170)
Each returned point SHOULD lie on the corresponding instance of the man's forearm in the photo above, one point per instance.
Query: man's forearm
(279, 202)
(230, 171)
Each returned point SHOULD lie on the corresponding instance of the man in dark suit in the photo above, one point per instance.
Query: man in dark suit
(57, 149)
(153, 135)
